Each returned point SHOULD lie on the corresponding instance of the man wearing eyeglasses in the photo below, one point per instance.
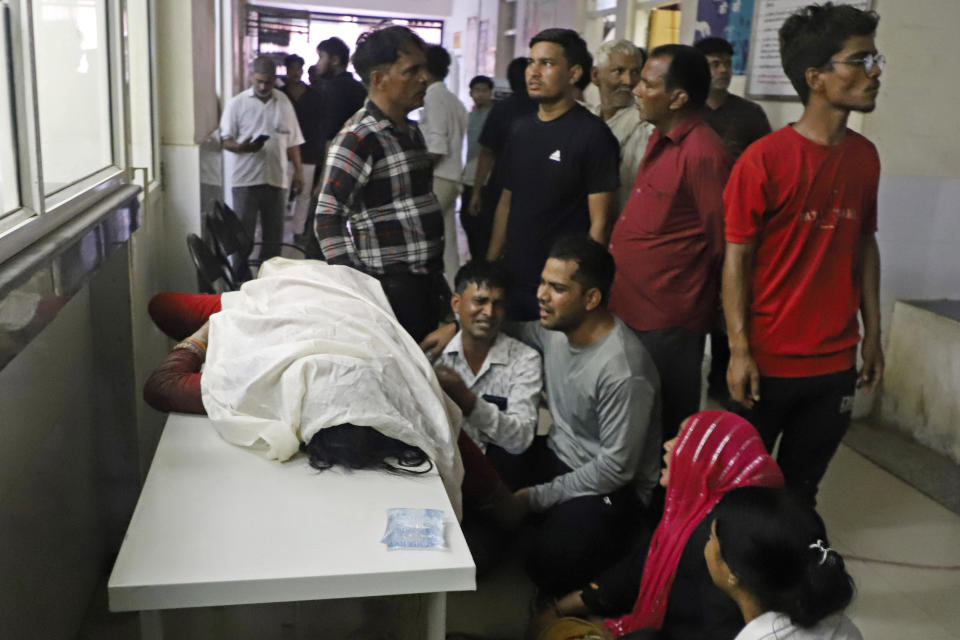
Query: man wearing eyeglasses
(801, 256)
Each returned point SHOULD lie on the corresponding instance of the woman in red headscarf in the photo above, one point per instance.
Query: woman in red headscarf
(715, 452)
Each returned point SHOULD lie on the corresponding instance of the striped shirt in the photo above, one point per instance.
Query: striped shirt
(376, 211)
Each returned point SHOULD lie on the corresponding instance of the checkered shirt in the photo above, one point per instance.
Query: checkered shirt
(376, 211)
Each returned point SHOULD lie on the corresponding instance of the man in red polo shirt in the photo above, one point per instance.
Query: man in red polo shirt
(802, 258)
(668, 241)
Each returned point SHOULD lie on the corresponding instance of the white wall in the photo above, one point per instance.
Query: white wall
(188, 114)
(70, 446)
(917, 132)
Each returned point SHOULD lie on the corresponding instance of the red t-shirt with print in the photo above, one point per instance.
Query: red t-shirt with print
(806, 206)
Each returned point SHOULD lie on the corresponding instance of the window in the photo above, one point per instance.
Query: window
(70, 126)
(73, 89)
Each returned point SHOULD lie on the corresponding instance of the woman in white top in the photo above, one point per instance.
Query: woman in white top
(768, 552)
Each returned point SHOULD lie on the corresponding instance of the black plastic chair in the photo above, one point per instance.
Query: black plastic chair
(213, 276)
(228, 248)
(232, 226)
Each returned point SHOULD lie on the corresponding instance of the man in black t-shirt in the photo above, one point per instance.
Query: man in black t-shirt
(342, 96)
(560, 170)
(738, 121)
(488, 180)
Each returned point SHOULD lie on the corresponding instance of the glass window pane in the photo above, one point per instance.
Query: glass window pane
(73, 89)
(141, 104)
(9, 180)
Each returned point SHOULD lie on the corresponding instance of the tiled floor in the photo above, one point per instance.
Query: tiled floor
(869, 513)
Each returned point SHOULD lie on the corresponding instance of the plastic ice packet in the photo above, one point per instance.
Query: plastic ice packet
(414, 529)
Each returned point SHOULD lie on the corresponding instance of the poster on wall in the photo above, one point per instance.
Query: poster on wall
(765, 77)
(730, 20)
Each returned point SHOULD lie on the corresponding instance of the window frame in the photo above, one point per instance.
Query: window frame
(40, 214)
(153, 173)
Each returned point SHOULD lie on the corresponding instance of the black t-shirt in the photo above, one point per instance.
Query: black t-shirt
(342, 96)
(550, 169)
(308, 109)
(738, 122)
(496, 133)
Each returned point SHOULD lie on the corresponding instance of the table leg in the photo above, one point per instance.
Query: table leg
(436, 616)
(151, 625)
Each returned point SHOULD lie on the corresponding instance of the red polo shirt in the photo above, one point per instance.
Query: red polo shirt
(668, 242)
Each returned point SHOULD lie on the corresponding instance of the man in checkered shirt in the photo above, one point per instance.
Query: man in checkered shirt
(376, 211)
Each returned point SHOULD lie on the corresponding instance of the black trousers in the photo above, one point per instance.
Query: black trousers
(811, 416)
(478, 228)
(678, 355)
(719, 362)
(573, 541)
(418, 301)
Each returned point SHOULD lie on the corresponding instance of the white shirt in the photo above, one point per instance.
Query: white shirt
(244, 118)
(777, 626)
(511, 374)
(308, 345)
(444, 124)
(632, 132)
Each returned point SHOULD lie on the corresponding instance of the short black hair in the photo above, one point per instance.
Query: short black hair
(595, 265)
(481, 272)
(584, 80)
(813, 34)
(383, 47)
(713, 46)
(574, 47)
(335, 47)
(688, 70)
(438, 61)
(487, 80)
(292, 59)
(516, 76)
(777, 548)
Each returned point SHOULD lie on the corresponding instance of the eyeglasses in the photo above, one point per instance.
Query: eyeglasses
(869, 62)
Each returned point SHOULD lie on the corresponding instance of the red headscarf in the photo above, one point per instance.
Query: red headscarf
(717, 451)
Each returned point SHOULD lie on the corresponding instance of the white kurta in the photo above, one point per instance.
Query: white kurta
(309, 345)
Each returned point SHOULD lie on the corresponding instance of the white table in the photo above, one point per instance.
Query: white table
(218, 524)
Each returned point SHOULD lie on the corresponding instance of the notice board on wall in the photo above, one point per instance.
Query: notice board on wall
(765, 77)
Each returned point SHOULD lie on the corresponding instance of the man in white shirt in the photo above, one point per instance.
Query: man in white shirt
(444, 124)
(616, 71)
(494, 379)
(259, 127)
(587, 483)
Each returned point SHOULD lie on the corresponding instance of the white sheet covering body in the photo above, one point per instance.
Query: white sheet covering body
(309, 345)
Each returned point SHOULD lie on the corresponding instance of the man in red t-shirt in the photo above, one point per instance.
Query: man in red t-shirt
(668, 241)
(802, 257)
